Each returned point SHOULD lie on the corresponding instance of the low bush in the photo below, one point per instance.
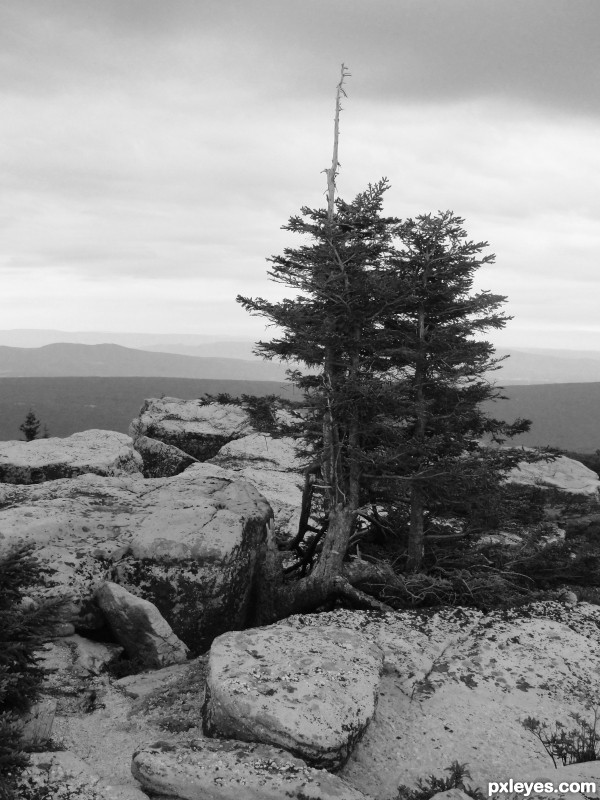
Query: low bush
(576, 746)
(426, 789)
(24, 626)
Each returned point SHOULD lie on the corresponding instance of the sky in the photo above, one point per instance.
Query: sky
(150, 151)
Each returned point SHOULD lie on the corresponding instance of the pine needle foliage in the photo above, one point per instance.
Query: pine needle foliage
(425, 789)
(24, 627)
(30, 428)
(387, 324)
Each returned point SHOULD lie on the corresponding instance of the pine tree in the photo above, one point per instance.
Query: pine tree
(384, 320)
(326, 326)
(30, 427)
(23, 629)
(431, 348)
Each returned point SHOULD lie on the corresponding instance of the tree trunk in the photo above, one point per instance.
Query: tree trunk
(417, 507)
(416, 539)
(275, 599)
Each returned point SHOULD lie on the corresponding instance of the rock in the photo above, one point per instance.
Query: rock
(62, 629)
(188, 543)
(567, 598)
(456, 682)
(38, 722)
(505, 538)
(90, 657)
(274, 467)
(312, 692)
(120, 792)
(563, 473)
(64, 774)
(197, 428)
(138, 625)
(161, 460)
(231, 770)
(142, 684)
(552, 534)
(99, 452)
(62, 766)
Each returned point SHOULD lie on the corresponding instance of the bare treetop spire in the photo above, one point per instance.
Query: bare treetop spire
(333, 170)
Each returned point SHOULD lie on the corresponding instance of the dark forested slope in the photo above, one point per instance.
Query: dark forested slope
(67, 405)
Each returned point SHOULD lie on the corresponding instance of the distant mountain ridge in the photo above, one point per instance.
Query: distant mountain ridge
(526, 366)
(113, 360)
(547, 366)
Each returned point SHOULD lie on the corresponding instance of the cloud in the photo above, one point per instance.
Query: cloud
(151, 144)
(542, 51)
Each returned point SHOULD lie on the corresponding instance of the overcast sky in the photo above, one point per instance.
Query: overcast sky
(152, 149)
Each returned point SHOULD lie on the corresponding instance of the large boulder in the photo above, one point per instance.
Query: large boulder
(231, 770)
(95, 451)
(188, 543)
(312, 692)
(138, 625)
(161, 460)
(199, 429)
(274, 467)
(457, 684)
(562, 473)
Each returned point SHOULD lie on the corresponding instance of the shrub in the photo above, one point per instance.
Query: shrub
(425, 789)
(576, 746)
(24, 626)
(30, 426)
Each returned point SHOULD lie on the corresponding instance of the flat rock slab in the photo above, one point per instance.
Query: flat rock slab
(199, 429)
(457, 682)
(586, 772)
(563, 473)
(95, 451)
(139, 626)
(274, 467)
(231, 770)
(63, 774)
(312, 692)
(188, 543)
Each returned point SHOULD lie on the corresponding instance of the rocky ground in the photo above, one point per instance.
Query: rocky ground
(381, 700)
(344, 705)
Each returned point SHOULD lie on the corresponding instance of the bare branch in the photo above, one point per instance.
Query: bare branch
(333, 170)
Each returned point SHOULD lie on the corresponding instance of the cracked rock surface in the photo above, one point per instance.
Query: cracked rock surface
(231, 770)
(97, 451)
(197, 428)
(187, 543)
(457, 684)
(311, 691)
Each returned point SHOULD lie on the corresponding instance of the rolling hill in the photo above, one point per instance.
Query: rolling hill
(73, 386)
(113, 360)
(525, 365)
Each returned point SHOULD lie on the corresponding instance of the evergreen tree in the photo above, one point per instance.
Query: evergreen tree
(429, 344)
(327, 326)
(384, 319)
(24, 627)
(386, 315)
(30, 427)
